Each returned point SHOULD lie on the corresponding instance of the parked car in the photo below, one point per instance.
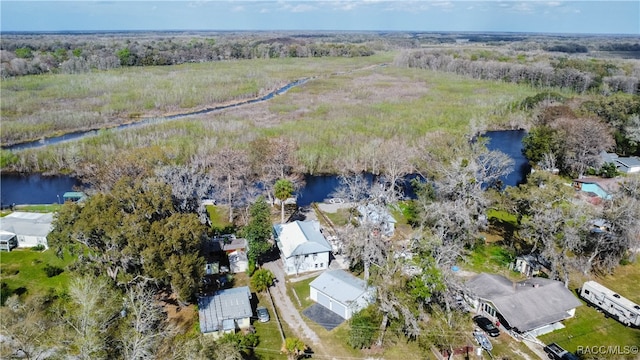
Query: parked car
(486, 325)
(263, 314)
(554, 351)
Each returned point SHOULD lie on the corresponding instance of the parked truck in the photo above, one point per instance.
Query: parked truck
(555, 352)
(611, 303)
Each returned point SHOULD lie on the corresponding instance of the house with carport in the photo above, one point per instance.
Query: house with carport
(534, 306)
(225, 311)
(302, 246)
(341, 292)
(30, 229)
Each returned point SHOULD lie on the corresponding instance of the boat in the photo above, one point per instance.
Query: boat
(482, 339)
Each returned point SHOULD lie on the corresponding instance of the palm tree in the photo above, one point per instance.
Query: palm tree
(294, 348)
(283, 189)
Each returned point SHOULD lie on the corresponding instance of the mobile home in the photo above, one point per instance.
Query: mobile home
(613, 304)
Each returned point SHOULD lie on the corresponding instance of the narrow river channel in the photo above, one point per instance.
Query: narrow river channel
(39, 189)
(83, 134)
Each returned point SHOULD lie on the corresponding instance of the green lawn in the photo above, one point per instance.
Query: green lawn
(339, 218)
(219, 217)
(39, 208)
(489, 258)
(590, 328)
(23, 271)
(269, 333)
(303, 291)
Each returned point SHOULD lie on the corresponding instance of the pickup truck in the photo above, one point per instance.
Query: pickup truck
(554, 351)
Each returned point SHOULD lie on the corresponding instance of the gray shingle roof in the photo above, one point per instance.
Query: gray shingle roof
(301, 238)
(27, 224)
(217, 312)
(527, 304)
(340, 285)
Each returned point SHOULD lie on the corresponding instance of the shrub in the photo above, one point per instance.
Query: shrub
(52, 271)
(532, 101)
(251, 268)
(364, 325)
(38, 247)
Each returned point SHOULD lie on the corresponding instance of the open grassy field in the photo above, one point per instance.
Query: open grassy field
(23, 270)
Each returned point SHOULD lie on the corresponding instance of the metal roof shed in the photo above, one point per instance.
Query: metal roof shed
(225, 307)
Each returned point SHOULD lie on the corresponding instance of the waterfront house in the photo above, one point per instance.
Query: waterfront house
(30, 229)
(302, 246)
(378, 216)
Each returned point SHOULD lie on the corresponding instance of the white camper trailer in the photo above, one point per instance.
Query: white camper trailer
(613, 304)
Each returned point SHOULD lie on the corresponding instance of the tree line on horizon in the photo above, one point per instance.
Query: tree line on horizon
(21, 56)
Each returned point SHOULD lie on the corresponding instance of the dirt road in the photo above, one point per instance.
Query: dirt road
(288, 312)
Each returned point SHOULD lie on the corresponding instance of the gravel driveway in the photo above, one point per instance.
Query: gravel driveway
(287, 311)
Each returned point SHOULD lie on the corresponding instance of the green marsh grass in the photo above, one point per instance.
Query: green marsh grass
(108, 97)
(334, 116)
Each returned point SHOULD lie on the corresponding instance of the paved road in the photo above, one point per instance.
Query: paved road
(288, 312)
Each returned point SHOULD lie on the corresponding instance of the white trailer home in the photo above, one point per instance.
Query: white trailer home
(613, 304)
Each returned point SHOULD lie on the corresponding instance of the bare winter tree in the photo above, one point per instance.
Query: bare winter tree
(584, 140)
(365, 243)
(145, 325)
(189, 185)
(92, 311)
(621, 233)
(273, 159)
(27, 330)
(353, 189)
(395, 158)
(231, 168)
(461, 202)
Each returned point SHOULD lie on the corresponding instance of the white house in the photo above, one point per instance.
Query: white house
(341, 292)
(30, 229)
(378, 216)
(225, 311)
(535, 305)
(629, 165)
(302, 246)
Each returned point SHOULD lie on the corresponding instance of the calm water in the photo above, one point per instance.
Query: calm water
(510, 143)
(38, 189)
(34, 188)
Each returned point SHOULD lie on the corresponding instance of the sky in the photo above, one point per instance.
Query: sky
(574, 17)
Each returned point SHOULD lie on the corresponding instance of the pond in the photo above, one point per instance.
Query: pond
(39, 189)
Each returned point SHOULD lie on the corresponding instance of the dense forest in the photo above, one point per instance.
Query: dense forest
(391, 105)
